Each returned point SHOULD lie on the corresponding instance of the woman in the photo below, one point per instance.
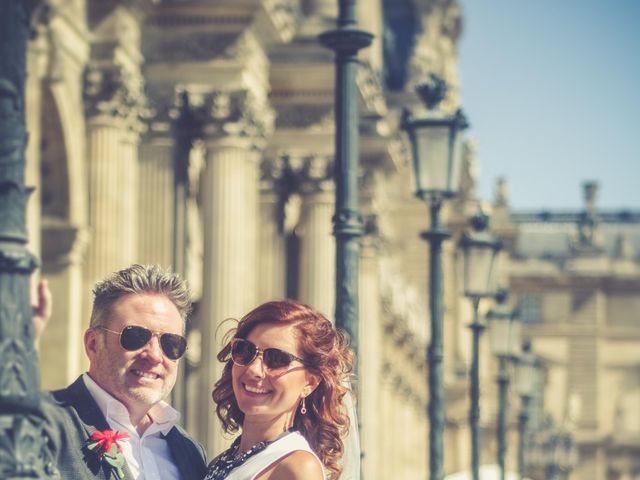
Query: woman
(283, 387)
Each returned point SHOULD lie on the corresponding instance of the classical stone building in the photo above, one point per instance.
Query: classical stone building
(199, 135)
(577, 277)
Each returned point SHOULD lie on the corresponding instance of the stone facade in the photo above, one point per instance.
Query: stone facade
(577, 278)
(200, 135)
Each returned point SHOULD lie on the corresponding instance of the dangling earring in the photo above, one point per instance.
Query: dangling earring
(303, 408)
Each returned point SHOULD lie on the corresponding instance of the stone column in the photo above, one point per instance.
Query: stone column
(317, 244)
(155, 200)
(62, 257)
(370, 355)
(113, 172)
(114, 106)
(271, 266)
(385, 418)
(230, 207)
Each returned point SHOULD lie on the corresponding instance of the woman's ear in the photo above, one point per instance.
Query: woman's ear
(312, 383)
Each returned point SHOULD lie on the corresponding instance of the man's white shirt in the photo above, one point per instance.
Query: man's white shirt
(147, 455)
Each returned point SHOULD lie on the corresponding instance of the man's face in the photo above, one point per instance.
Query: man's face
(141, 378)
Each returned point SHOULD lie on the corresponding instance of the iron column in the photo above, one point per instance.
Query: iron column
(503, 385)
(435, 351)
(24, 451)
(474, 391)
(346, 41)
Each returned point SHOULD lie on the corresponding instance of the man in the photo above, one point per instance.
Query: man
(134, 342)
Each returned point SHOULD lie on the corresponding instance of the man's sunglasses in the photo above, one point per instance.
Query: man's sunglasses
(134, 337)
(244, 352)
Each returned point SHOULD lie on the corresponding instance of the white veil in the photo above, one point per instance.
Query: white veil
(351, 457)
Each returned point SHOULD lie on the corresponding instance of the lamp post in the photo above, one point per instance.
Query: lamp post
(526, 380)
(25, 447)
(435, 144)
(504, 336)
(346, 41)
(480, 252)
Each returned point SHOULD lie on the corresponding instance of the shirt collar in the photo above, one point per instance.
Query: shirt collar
(163, 415)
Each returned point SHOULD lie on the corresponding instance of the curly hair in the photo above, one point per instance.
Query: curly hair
(326, 354)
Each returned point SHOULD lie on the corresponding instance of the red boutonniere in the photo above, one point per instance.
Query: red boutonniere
(105, 444)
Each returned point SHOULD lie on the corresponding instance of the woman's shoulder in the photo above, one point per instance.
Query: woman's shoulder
(299, 464)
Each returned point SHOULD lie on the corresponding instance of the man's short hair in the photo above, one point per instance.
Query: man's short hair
(139, 279)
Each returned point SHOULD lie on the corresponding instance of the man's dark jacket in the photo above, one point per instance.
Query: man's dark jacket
(74, 415)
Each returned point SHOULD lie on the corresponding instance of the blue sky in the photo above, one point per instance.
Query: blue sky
(552, 91)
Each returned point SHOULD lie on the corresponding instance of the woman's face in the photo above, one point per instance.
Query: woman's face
(272, 396)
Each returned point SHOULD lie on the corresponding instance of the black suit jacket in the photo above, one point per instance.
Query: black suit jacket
(74, 415)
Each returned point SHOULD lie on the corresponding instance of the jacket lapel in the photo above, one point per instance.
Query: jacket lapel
(77, 395)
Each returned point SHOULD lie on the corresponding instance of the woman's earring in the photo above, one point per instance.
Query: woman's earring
(303, 408)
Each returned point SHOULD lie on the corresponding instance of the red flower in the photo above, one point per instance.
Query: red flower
(107, 438)
(105, 445)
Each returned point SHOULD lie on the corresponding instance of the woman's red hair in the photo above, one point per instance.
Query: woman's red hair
(326, 355)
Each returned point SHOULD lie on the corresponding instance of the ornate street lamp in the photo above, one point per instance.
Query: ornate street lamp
(504, 337)
(480, 252)
(527, 371)
(435, 144)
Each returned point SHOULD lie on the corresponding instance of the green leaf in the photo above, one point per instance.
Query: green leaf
(115, 461)
(92, 445)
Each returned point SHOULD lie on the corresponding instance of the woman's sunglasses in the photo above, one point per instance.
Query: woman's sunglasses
(134, 337)
(244, 352)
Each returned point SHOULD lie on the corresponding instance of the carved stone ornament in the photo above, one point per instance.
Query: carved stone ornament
(236, 113)
(282, 17)
(115, 92)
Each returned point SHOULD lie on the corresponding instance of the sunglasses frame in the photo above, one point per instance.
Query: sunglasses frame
(154, 333)
(260, 352)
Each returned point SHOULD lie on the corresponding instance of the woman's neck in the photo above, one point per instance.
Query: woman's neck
(255, 432)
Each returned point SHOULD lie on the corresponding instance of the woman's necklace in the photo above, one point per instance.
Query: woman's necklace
(232, 458)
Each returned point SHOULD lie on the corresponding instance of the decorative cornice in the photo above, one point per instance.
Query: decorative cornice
(306, 117)
(191, 47)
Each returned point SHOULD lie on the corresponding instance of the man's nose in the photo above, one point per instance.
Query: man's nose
(153, 349)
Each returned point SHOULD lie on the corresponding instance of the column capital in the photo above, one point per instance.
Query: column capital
(312, 173)
(236, 114)
(112, 92)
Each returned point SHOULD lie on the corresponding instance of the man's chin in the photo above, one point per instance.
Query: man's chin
(147, 396)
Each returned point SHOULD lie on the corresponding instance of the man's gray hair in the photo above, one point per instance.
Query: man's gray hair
(139, 279)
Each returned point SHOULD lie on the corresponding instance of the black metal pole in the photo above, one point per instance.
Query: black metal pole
(523, 419)
(183, 138)
(24, 450)
(474, 391)
(501, 431)
(346, 41)
(435, 236)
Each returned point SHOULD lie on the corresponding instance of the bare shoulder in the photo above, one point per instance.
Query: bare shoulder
(298, 465)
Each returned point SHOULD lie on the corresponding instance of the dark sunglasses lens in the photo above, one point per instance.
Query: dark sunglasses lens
(173, 345)
(275, 358)
(243, 352)
(134, 337)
